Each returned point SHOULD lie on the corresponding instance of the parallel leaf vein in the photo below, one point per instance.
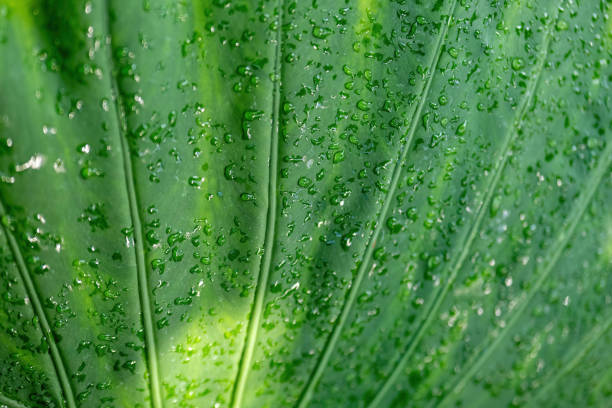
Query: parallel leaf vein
(24, 272)
(483, 353)
(353, 291)
(582, 348)
(440, 292)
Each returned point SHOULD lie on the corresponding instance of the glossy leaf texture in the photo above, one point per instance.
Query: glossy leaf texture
(281, 203)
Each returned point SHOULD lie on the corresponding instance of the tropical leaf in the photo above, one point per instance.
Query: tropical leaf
(342, 203)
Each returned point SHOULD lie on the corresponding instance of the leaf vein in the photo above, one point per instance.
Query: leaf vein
(583, 347)
(316, 375)
(266, 261)
(141, 271)
(566, 233)
(11, 403)
(32, 293)
(441, 292)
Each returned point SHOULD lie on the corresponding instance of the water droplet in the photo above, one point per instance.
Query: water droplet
(517, 63)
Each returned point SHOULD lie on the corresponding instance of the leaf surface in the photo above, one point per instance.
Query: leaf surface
(303, 203)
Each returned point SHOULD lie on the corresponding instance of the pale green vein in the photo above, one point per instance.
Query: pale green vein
(266, 261)
(582, 348)
(483, 353)
(441, 291)
(56, 356)
(361, 272)
(141, 271)
(10, 403)
(605, 379)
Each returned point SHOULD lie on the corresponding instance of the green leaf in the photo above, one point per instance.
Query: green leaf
(342, 203)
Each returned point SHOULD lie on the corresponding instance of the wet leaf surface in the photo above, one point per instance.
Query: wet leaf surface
(364, 203)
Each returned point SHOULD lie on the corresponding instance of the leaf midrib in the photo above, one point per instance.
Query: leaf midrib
(141, 272)
(266, 261)
(330, 345)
